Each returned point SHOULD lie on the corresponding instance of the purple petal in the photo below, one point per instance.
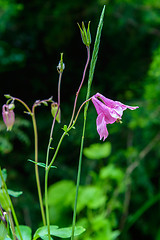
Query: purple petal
(107, 101)
(124, 107)
(110, 114)
(101, 126)
(114, 104)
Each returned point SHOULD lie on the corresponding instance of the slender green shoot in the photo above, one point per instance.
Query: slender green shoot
(91, 73)
(11, 206)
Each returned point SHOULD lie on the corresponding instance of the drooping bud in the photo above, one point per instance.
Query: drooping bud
(85, 34)
(54, 108)
(8, 115)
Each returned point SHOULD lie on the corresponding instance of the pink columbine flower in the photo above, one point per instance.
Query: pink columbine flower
(8, 116)
(108, 111)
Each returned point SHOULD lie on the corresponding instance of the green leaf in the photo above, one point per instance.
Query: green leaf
(8, 238)
(40, 164)
(4, 174)
(58, 232)
(60, 191)
(67, 232)
(43, 231)
(111, 172)
(45, 103)
(94, 56)
(65, 129)
(14, 193)
(46, 237)
(92, 197)
(26, 232)
(5, 145)
(7, 96)
(4, 200)
(3, 231)
(98, 150)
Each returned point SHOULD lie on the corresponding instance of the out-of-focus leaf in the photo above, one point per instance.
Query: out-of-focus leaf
(98, 151)
(60, 191)
(3, 231)
(91, 197)
(111, 172)
(4, 174)
(4, 200)
(26, 232)
(58, 232)
(14, 193)
(5, 145)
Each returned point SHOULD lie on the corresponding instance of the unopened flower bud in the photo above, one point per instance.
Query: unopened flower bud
(61, 65)
(54, 108)
(85, 34)
(11, 106)
(8, 116)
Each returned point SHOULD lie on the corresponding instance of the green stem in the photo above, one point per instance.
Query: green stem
(78, 180)
(85, 102)
(46, 203)
(56, 152)
(83, 77)
(59, 144)
(91, 73)
(36, 168)
(46, 182)
(36, 156)
(11, 206)
(46, 185)
(48, 149)
(12, 225)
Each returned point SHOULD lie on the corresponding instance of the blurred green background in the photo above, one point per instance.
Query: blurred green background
(120, 183)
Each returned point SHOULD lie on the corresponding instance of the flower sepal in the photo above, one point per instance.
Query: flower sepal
(85, 34)
(54, 109)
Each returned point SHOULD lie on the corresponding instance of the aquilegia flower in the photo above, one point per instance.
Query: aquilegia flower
(108, 111)
(8, 116)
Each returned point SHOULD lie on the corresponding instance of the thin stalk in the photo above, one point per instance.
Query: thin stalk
(36, 156)
(47, 157)
(59, 144)
(15, 219)
(46, 184)
(59, 85)
(63, 135)
(78, 180)
(69, 126)
(12, 225)
(51, 163)
(11, 205)
(83, 77)
(36, 168)
(46, 203)
(74, 121)
(23, 103)
(91, 73)
(56, 152)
